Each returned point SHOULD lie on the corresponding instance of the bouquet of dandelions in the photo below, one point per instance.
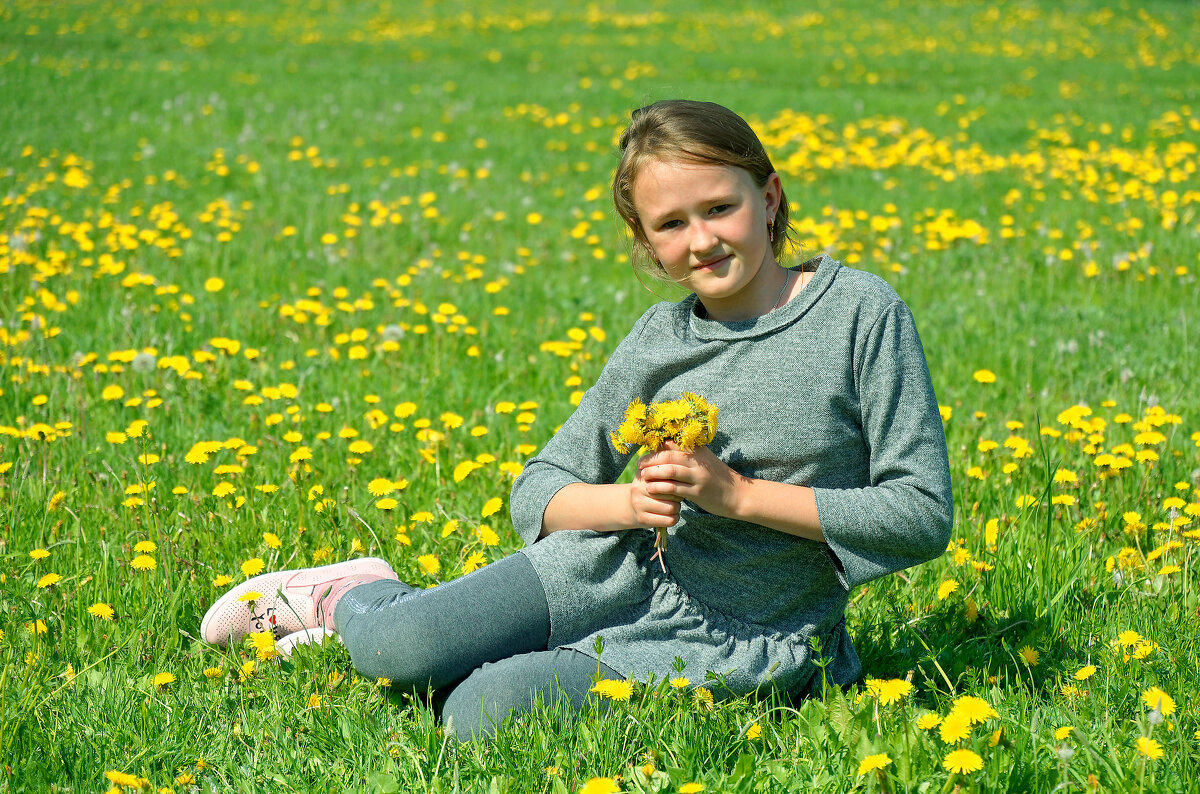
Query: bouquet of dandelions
(689, 421)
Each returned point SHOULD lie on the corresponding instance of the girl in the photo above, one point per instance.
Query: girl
(828, 469)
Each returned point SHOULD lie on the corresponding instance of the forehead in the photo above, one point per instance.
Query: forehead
(662, 184)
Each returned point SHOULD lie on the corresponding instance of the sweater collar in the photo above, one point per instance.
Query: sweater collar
(704, 329)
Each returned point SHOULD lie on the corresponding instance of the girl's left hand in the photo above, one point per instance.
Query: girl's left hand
(699, 477)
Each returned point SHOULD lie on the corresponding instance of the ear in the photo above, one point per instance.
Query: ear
(772, 193)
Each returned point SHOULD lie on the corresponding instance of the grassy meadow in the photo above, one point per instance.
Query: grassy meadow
(289, 282)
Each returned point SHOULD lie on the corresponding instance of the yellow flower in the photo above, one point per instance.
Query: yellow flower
(123, 779)
(222, 580)
(1156, 698)
(955, 728)
(272, 540)
(691, 788)
(754, 731)
(1063, 732)
(249, 595)
(263, 643)
(613, 690)
(889, 691)
(600, 785)
(144, 563)
(214, 672)
(474, 561)
(314, 701)
(1085, 672)
(145, 547)
(380, 486)
(946, 588)
(962, 761)
(49, 579)
(487, 535)
(430, 564)
(164, 679)
(928, 721)
(214, 284)
(112, 392)
(984, 376)
(252, 566)
(386, 504)
(1149, 748)
(975, 709)
(1030, 656)
(679, 682)
(492, 506)
(873, 762)
(39, 554)
(101, 610)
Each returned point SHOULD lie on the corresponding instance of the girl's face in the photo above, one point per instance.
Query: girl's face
(707, 227)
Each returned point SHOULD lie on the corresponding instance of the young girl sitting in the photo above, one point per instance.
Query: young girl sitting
(828, 469)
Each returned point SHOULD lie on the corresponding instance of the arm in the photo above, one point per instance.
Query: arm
(570, 483)
(607, 508)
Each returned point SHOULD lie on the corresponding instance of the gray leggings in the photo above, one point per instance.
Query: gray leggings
(479, 642)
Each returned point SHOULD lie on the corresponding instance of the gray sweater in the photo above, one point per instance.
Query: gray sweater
(831, 391)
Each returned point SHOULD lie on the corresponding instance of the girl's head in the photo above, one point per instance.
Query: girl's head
(685, 131)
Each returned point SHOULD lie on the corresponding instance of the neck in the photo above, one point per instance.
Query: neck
(769, 294)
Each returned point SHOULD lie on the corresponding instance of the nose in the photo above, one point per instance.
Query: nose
(703, 239)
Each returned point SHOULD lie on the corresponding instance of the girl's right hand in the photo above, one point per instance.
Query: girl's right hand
(649, 509)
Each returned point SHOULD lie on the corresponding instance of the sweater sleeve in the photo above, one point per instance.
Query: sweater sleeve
(904, 516)
(581, 450)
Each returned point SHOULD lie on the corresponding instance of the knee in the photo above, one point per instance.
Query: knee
(400, 652)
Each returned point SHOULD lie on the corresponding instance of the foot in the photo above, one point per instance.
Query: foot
(288, 601)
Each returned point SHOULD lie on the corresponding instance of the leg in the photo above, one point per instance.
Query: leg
(478, 706)
(432, 638)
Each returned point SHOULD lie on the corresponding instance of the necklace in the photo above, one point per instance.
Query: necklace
(786, 281)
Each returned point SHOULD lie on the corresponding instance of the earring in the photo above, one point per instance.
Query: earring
(771, 231)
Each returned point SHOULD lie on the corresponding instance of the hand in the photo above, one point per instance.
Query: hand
(699, 476)
(649, 509)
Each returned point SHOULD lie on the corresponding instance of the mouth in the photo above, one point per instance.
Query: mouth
(712, 264)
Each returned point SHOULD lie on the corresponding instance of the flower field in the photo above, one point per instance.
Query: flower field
(287, 283)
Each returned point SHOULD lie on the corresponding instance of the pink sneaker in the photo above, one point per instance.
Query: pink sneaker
(289, 601)
(285, 646)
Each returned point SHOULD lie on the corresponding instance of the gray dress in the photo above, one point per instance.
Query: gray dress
(831, 391)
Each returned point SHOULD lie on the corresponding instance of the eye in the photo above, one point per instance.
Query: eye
(669, 225)
(719, 209)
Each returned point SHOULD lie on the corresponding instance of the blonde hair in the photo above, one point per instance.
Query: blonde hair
(684, 130)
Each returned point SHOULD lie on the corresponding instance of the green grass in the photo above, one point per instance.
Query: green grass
(1070, 124)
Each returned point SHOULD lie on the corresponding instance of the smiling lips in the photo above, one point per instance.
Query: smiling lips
(712, 263)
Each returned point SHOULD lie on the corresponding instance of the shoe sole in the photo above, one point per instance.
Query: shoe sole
(361, 565)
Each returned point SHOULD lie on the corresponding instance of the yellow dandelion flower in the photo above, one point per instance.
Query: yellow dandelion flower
(48, 580)
(888, 691)
(492, 506)
(984, 376)
(598, 785)
(164, 679)
(145, 547)
(691, 788)
(380, 486)
(1030, 656)
(1063, 732)
(946, 588)
(1149, 748)
(873, 762)
(928, 721)
(263, 643)
(144, 562)
(249, 595)
(613, 690)
(430, 564)
(272, 540)
(975, 709)
(253, 566)
(222, 580)
(214, 672)
(1085, 672)
(962, 762)
(314, 701)
(680, 682)
(1156, 698)
(954, 728)
(754, 731)
(39, 554)
(101, 610)
(214, 284)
